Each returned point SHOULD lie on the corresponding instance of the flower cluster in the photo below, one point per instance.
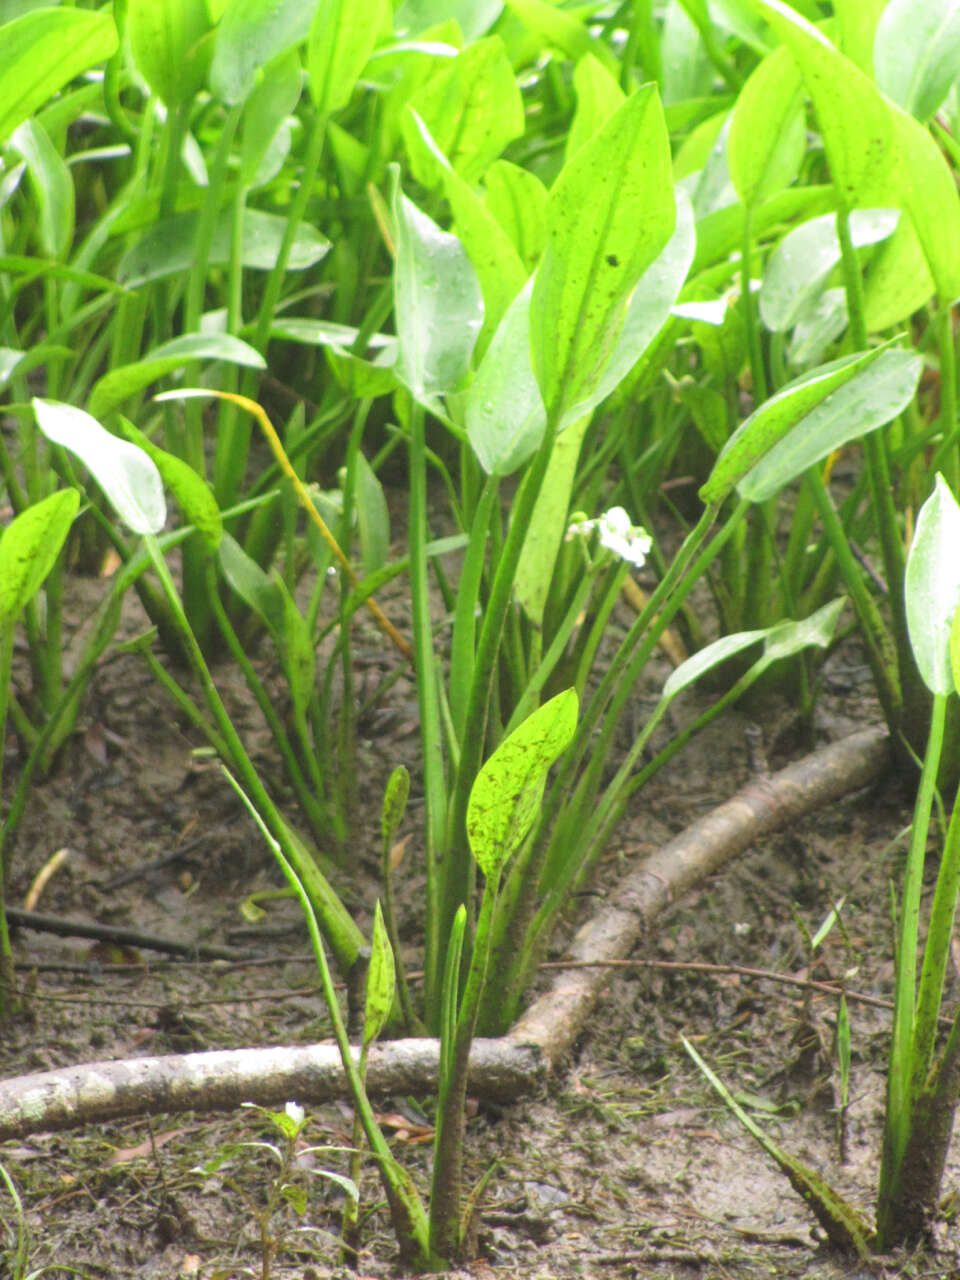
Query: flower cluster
(617, 534)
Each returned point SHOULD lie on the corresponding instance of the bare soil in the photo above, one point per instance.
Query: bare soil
(628, 1165)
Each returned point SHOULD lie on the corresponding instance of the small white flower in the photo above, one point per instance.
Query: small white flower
(295, 1112)
(628, 541)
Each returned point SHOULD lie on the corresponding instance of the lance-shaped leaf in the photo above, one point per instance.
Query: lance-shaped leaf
(853, 116)
(767, 139)
(166, 41)
(342, 36)
(381, 980)
(499, 270)
(127, 476)
(915, 53)
(394, 802)
(197, 503)
(168, 246)
(609, 214)
(437, 302)
(769, 424)
(29, 548)
(472, 109)
(43, 51)
(932, 586)
(506, 794)
(874, 397)
(251, 33)
(113, 388)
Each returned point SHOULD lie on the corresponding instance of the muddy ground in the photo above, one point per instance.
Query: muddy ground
(627, 1165)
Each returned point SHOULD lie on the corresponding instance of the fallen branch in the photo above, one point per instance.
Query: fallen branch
(555, 1020)
(503, 1069)
(44, 923)
(97, 1091)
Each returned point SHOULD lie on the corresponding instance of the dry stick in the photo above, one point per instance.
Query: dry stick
(556, 1019)
(507, 1068)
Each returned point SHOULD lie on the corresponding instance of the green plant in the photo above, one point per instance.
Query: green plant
(285, 1187)
(502, 810)
(18, 1252)
(923, 1087)
(29, 549)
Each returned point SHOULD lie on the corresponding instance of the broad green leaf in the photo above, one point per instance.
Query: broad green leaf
(373, 518)
(52, 187)
(265, 113)
(916, 53)
(598, 96)
(29, 548)
(499, 270)
(504, 413)
(506, 794)
(168, 247)
(342, 36)
(788, 637)
(381, 980)
(767, 139)
(254, 587)
(923, 185)
(856, 26)
(687, 71)
(769, 424)
(166, 40)
(648, 309)
(113, 388)
(438, 305)
(394, 802)
(473, 17)
(782, 640)
(898, 281)
(705, 659)
(518, 200)
(798, 268)
(505, 416)
(251, 34)
(363, 379)
(326, 333)
(194, 495)
(43, 51)
(817, 329)
(932, 586)
(869, 400)
(472, 109)
(563, 30)
(853, 116)
(125, 473)
(609, 214)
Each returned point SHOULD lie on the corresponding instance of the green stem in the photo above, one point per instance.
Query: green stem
(900, 1074)
(749, 310)
(937, 950)
(344, 935)
(445, 1194)
(880, 651)
(427, 668)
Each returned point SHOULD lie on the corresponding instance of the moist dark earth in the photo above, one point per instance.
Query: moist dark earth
(626, 1165)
